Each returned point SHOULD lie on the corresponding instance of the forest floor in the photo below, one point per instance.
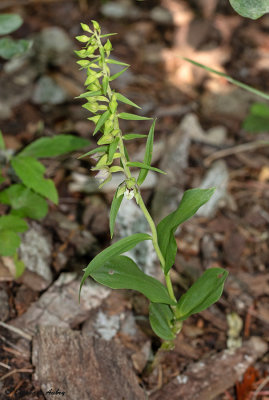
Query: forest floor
(104, 348)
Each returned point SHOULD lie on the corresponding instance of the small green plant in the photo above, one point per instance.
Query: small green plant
(110, 267)
(25, 189)
(9, 47)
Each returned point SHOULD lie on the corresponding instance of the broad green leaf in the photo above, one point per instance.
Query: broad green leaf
(46, 147)
(10, 48)
(24, 202)
(31, 172)
(2, 142)
(115, 249)
(160, 317)
(99, 149)
(122, 273)
(130, 136)
(191, 201)
(116, 202)
(137, 164)
(111, 61)
(132, 117)
(229, 79)
(101, 121)
(258, 119)
(202, 294)
(250, 8)
(148, 154)
(125, 100)
(9, 23)
(9, 242)
(13, 223)
(112, 149)
(115, 76)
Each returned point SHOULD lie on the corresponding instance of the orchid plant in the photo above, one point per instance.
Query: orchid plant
(111, 267)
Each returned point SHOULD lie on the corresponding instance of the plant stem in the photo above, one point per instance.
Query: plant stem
(156, 245)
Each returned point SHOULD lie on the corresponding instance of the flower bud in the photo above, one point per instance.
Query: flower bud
(105, 139)
(103, 175)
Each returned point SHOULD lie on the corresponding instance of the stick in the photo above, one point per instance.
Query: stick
(235, 150)
(16, 330)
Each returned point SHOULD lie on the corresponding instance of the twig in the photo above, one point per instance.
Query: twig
(260, 387)
(16, 388)
(14, 371)
(16, 330)
(12, 351)
(4, 365)
(235, 150)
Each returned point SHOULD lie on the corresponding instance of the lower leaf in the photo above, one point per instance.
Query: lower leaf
(202, 294)
(122, 273)
(160, 317)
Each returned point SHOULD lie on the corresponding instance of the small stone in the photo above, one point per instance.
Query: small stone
(52, 46)
(35, 251)
(217, 176)
(48, 92)
(161, 15)
(120, 10)
(214, 136)
(170, 187)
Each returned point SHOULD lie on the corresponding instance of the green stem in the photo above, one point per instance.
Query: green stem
(156, 245)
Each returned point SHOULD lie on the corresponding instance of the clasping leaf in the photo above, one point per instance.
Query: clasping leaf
(115, 249)
(122, 273)
(202, 294)
(160, 317)
(191, 201)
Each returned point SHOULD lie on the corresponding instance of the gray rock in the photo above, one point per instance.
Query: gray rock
(119, 10)
(35, 251)
(217, 176)
(82, 367)
(161, 15)
(48, 92)
(170, 187)
(59, 305)
(214, 136)
(52, 46)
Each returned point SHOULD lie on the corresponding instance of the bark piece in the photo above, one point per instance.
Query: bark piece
(59, 304)
(82, 367)
(208, 378)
